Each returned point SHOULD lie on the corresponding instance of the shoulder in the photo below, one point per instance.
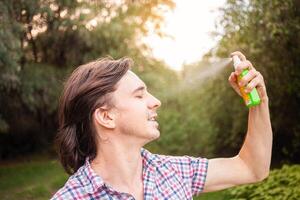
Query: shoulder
(176, 161)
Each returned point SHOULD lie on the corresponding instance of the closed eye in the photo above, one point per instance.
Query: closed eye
(139, 96)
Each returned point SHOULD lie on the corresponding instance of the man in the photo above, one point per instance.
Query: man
(107, 115)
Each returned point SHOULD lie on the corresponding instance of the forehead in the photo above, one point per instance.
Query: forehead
(129, 82)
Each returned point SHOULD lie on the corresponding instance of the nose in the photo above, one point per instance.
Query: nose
(154, 102)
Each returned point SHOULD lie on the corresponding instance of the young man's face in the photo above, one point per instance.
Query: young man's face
(136, 109)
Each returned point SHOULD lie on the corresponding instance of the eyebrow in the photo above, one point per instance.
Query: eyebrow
(140, 88)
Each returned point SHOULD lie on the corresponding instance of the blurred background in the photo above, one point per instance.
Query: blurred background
(179, 49)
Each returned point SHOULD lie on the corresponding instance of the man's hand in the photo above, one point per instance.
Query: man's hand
(252, 80)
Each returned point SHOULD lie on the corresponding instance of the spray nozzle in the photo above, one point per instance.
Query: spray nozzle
(236, 61)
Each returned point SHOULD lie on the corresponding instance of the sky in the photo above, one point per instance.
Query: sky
(190, 25)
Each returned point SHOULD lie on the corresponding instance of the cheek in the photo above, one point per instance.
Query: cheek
(133, 113)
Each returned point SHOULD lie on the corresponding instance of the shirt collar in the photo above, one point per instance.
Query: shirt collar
(93, 180)
(150, 158)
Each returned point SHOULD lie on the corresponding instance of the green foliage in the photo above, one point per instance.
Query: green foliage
(9, 50)
(281, 184)
(41, 86)
(30, 110)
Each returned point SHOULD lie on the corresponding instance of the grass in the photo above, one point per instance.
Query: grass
(31, 180)
(41, 178)
(220, 195)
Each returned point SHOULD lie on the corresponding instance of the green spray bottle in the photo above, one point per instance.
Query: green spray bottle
(252, 98)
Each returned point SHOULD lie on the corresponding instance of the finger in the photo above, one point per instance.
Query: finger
(243, 65)
(239, 54)
(256, 82)
(233, 83)
(232, 77)
(248, 77)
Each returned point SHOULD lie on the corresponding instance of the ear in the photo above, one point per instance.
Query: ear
(105, 117)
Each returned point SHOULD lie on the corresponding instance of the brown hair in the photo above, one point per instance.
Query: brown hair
(88, 88)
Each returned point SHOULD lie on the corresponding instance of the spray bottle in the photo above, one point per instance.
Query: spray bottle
(252, 98)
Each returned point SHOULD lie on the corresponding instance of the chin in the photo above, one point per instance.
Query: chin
(150, 137)
(155, 135)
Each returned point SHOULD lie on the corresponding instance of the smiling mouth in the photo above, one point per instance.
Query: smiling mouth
(152, 117)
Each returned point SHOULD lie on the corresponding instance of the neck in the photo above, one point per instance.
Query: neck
(119, 165)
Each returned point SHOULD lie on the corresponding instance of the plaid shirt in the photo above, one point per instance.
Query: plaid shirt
(164, 177)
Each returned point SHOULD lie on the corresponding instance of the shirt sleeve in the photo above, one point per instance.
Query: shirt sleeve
(193, 170)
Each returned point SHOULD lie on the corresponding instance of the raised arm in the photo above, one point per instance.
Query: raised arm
(252, 163)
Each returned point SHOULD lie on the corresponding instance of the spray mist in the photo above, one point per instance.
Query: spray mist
(252, 98)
